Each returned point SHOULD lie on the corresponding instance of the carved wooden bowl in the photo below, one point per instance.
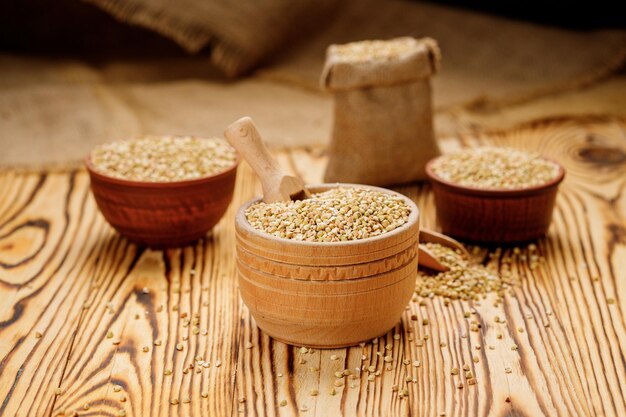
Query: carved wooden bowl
(327, 294)
(494, 215)
(163, 214)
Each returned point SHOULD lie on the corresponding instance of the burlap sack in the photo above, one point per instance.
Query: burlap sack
(240, 33)
(383, 129)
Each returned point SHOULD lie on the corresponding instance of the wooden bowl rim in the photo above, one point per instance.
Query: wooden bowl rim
(155, 184)
(413, 219)
(495, 192)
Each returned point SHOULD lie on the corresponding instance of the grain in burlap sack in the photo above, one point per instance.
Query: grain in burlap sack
(383, 128)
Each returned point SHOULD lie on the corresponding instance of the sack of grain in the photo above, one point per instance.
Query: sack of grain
(383, 126)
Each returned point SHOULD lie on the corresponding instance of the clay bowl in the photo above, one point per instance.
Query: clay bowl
(494, 215)
(159, 214)
(327, 294)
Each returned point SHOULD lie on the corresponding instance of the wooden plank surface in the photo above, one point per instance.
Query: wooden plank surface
(79, 305)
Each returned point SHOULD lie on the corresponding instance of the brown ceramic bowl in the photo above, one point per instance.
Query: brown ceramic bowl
(163, 214)
(494, 215)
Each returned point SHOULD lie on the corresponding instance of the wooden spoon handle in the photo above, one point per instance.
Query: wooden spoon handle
(244, 136)
(277, 186)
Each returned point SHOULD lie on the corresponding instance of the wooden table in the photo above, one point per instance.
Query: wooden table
(79, 305)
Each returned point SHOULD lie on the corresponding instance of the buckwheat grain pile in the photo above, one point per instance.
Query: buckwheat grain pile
(163, 158)
(376, 50)
(493, 167)
(339, 214)
(466, 280)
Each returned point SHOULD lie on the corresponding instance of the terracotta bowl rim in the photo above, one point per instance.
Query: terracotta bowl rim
(413, 219)
(152, 184)
(495, 192)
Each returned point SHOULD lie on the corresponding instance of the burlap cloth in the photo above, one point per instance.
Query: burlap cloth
(486, 59)
(494, 72)
(240, 33)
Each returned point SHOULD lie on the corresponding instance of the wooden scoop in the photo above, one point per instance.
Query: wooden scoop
(277, 186)
(427, 259)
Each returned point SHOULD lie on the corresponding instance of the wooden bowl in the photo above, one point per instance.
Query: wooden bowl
(494, 215)
(327, 294)
(163, 214)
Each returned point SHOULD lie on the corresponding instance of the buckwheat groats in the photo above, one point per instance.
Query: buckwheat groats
(339, 214)
(495, 168)
(163, 158)
(381, 50)
(466, 279)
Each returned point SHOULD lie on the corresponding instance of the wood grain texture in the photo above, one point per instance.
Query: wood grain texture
(67, 277)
